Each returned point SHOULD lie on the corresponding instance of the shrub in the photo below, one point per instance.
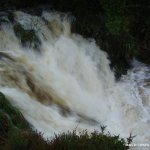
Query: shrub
(16, 134)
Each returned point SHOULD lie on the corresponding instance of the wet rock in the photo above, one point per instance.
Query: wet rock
(11, 17)
(144, 54)
(28, 37)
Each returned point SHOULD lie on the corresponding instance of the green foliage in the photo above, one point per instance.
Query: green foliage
(118, 41)
(116, 20)
(15, 140)
(108, 22)
(97, 140)
(11, 124)
(120, 27)
(138, 12)
(12, 113)
(16, 134)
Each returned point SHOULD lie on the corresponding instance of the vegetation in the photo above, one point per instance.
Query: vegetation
(16, 134)
(120, 27)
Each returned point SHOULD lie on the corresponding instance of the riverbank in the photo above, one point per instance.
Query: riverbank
(17, 133)
(119, 28)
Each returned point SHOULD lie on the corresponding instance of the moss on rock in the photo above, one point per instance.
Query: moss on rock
(16, 134)
(28, 37)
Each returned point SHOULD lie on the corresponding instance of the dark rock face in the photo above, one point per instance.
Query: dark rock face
(144, 54)
(22, 3)
(119, 27)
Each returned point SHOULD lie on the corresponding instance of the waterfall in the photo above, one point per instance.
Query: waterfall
(61, 81)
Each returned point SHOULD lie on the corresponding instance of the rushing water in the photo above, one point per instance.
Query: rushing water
(66, 83)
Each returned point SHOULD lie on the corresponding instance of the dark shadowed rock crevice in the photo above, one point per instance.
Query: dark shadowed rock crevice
(121, 28)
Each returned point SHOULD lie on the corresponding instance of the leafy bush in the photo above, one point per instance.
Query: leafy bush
(12, 114)
(16, 134)
(97, 140)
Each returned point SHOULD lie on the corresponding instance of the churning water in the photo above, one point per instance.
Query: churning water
(65, 82)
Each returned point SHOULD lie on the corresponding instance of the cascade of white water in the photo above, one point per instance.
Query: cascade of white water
(69, 84)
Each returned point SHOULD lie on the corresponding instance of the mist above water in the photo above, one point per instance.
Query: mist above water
(66, 83)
